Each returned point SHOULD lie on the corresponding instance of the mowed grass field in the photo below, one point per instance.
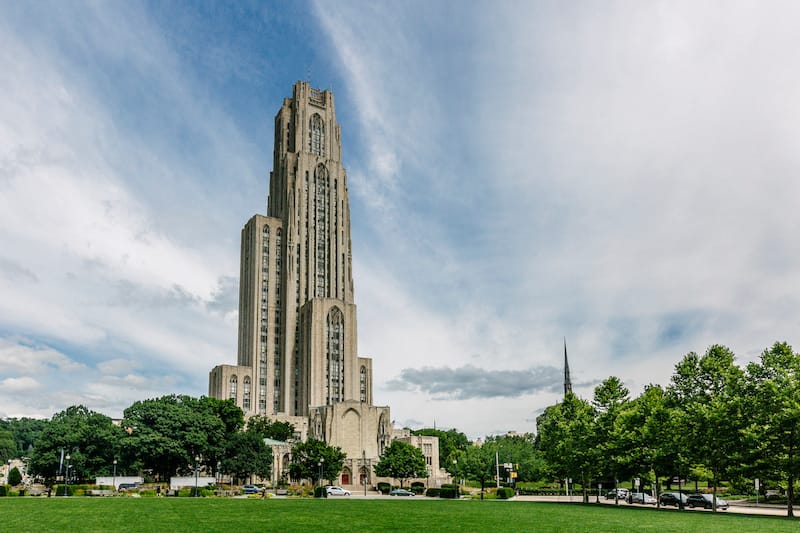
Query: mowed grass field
(345, 515)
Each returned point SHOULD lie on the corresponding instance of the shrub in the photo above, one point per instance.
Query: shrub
(14, 477)
(320, 492)
(504, 493)
(384, 488)
(433, 493)
(448, 492)
(3, 490)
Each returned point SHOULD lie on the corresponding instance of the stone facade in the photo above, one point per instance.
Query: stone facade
(297, 347)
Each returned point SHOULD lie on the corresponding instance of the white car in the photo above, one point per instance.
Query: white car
(337, 491)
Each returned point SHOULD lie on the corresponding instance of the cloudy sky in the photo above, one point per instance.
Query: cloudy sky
(622, 174)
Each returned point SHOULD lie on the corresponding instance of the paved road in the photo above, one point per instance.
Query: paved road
(735, 507)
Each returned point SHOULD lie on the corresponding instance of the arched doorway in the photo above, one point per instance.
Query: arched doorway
(346, 476)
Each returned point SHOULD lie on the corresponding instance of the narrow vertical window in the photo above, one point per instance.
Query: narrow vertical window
(334, 360)
(316, 135)
(246, 394)
(233, 383)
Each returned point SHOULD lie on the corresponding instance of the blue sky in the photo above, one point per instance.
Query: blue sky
(623, 175)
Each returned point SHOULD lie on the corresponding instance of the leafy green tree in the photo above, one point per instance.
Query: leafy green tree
(14, 477)
(520, 451)
(401, 461)
(477, 463)
(709, 391)
(246, 454)
(25, 432)
(774, 429)
(88, 437)
(166, 434)
(646, 426)
(565, 435)
(610, 397)
(312, 455)
(8, 448)
(451, 443)
(271, 429)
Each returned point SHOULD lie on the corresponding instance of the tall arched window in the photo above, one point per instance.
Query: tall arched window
(246, 394)
(316, 135)
(233, 383)
(322, 207)
(363, 383)
(334, 360)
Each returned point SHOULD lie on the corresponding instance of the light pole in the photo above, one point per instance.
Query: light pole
(66, 476)
(321, 469)
(455, 479)
(196, 472)
(364, 467)
(114, 482)
(8, 473)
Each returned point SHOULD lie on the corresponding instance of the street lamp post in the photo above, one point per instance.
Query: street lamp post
(196, 472)
(114, 482)
(455, 479)
(8, 473)
(364, 468)
(66, 475)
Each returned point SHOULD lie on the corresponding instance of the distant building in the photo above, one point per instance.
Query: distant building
(298, 355)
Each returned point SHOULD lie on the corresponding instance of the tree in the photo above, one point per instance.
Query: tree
(709, 391)
(14, 477)
(477, 463)
(520, 451)
(774, 406)
(309, 457)
(401, 461)
(8, 448)
(646, 426)
(166, 434)
(245, 454)
(610, 397)
(87, 436)
(271, 429)
(565, 435)
(451, 443)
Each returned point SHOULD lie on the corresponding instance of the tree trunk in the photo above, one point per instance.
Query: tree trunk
(714, 493)
(655, 494)
(790, 496)
(583, 489)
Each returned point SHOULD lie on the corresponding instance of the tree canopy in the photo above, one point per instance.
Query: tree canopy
(401, 461)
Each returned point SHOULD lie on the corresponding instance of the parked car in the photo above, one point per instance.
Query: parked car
(128, 486)
(401, 492)
(673, 498)
(641, 497)
(335, 490)
(612, 494)
(251, 489)
(706, 501)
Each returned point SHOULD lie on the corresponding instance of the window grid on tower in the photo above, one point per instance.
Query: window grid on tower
(321, 221)
(262, 360)
(334, 361)
(316, 135)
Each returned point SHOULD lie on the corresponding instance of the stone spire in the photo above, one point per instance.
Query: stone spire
(567, 382)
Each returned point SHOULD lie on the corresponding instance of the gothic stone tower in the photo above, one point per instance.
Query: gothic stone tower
(297, 351)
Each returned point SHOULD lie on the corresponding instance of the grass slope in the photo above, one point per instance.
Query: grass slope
(344, 515)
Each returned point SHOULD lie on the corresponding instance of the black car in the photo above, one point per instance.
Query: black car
(673, 498)
(705, 500)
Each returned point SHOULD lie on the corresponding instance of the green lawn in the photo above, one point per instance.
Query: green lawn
(344, 515)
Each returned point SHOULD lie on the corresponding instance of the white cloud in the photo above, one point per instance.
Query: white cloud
(20, 356)
(17, 385)
(622, 177)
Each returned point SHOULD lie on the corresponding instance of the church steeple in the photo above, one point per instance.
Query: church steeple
(567, 382)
